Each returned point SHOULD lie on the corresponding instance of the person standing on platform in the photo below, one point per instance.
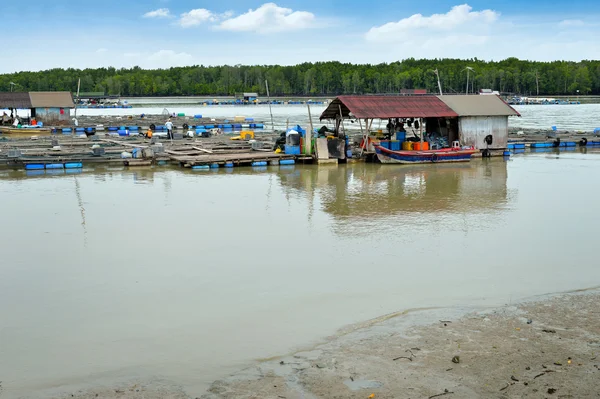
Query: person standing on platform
(169, 126)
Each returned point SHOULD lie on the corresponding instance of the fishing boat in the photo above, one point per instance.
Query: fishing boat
(24, 132)
(430, 156)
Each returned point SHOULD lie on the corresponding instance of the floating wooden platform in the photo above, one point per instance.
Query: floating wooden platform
(189, 161)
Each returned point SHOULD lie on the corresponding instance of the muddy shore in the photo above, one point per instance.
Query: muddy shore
(546, 348)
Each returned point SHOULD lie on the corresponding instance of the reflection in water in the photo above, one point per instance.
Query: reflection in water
(81, 209)
(383, 191)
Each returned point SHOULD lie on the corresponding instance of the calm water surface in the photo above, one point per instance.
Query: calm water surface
(187, 277)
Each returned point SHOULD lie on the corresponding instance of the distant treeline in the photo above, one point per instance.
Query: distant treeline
(323, 78)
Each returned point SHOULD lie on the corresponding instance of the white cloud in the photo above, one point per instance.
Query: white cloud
(571, 23)
(167, 59)
(269, 18)
(160, 13)
(102, 50)
(460, 20)
(171, 56)
(197, 17)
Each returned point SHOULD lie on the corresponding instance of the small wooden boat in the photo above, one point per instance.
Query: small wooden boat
(24, 132)
(431, 156)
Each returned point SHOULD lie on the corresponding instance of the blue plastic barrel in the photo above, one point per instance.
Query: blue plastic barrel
(122, 132)
(133, 128)
(89, 129)
(34, 166)
(80, 129)
(287, 162)
(210, 126)
(113, 128)
(259, 163)
(237, 125)
(229, 164)
(66, 130)
(260, 126)
(506, 153)
(54, 166)
(73, 165)
(228, 126)
(200, 167)
(198, 116)
(214, 166)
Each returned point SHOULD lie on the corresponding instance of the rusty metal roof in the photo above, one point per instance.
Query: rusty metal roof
(384, 107)
(478, 105)
(16, 100)
(51, 99)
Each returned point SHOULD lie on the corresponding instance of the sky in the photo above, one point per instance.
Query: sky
(165, 33)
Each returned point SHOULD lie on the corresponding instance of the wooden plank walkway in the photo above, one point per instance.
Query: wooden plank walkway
(236, 159)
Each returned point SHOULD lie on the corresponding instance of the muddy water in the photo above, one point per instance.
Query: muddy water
(186, 277)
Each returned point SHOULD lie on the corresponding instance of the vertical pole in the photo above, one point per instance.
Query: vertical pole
(421, 131)
(308, 138)
(77, 97)
(342, 120)
(365, 138)
(437, 73)
(270, 110)
(467, 81)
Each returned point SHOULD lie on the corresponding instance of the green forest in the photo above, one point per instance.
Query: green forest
(510, 76)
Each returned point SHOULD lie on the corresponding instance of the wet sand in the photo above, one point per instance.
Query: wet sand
(549, 347)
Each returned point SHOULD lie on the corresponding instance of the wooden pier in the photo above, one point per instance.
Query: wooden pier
(186, 152)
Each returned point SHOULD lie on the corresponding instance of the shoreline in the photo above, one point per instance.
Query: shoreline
(544, 346)
(497, 352)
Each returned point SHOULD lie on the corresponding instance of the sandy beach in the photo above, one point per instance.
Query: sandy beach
(546, 347)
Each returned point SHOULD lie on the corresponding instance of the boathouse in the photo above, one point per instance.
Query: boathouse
(481, 116)
(445, 119)
(49, 107)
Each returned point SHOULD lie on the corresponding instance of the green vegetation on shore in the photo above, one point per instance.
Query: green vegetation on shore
(323, 78)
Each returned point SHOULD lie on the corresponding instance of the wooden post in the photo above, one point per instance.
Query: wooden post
(421, 131)
(365, 138)
(342, 120)
(270, 110)
(308, 138)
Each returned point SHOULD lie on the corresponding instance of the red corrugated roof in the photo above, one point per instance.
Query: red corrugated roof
(383, 107)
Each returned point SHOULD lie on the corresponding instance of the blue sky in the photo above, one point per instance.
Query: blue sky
(163, 33)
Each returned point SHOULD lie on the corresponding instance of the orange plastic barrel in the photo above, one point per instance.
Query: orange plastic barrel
(425, 146)
(417, 146)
